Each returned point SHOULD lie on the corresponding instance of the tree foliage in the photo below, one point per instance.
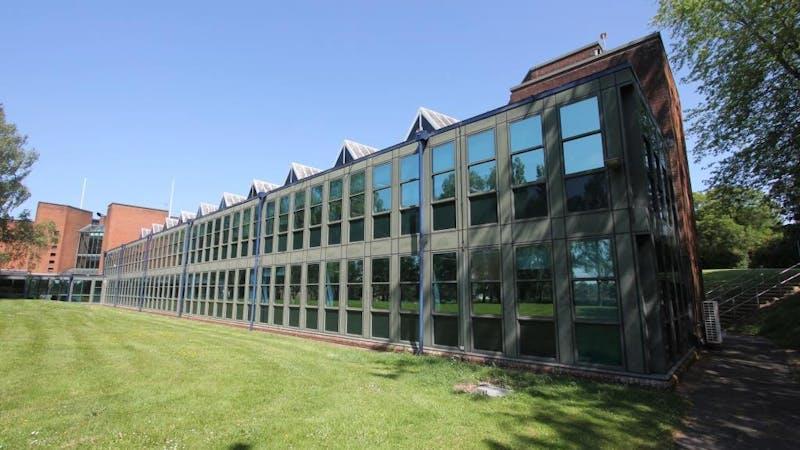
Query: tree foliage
(21, 240)
(733, 224)
(744, 56)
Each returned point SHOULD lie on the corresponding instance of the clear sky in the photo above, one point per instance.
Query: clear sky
(133, 94)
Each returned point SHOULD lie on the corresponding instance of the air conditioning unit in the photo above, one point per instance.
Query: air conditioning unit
(711, 322)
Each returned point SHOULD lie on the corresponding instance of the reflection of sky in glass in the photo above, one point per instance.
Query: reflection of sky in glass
(443, 157)
(526, 133)
(481, 146)
(382, 175)
(583, 154)
(409, 168)
(578, 118)
(482, 177)
(409, 194)
(527, 166)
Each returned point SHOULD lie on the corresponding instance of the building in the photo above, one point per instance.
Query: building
(71, 268)
(554, 231)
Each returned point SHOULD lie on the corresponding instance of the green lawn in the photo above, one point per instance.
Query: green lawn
(713, 277)
(779, 323)
(76, 375)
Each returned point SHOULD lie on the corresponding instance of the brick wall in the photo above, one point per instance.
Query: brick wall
(649, 61)
(123, 224)
(68, 221)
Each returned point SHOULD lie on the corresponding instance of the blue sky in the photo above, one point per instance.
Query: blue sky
(134, 94)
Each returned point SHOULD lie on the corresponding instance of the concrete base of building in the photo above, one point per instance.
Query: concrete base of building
(654, 381)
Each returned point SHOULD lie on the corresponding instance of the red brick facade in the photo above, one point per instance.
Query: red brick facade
(648, 59)
(124, 224)
(68, 220)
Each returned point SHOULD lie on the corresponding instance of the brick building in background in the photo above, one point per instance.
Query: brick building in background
(83, 237)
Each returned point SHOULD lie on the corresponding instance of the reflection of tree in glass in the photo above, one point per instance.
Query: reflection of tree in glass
(479, 183)
(592, 259)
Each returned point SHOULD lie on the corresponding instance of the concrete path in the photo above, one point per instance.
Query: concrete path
(742, 395)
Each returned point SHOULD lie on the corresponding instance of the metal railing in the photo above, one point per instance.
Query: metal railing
(755, 295)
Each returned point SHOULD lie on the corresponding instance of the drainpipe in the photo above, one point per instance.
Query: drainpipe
(147, 244)
(185, 264)
(422, 140)
(69, 288)
(256, 256)
(119, 274)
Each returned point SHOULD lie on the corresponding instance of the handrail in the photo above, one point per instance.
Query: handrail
(760, 292)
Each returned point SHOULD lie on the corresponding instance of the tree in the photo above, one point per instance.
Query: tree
(733, 223)
(21, 240)
(744, 56)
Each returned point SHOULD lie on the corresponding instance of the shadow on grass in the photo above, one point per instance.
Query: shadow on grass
(559, 411)
(239, 446)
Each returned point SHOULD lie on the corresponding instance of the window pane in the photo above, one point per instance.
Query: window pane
(409, 194)
(595, 300)
(297, 240)
(381, 200)
(535, 298)
(335, 188)
(299, 220)
(313, 273)
(530, 201)
(444, 216)
(483, 209)
(598, 343)
(331, 273)
(527, 167)
(381, 176)
(295, 274)
(316, 195)
(335, 234)
(409, 269)
(357, 205)
(484, 265)
(409, 221)
(335, 211)
(315, 237)
(525, 133)
(445, 298)
(284, 210)
(582, 154)
(443, 157)
(581, 117)
(409, 297)
(316, 215)
(486, 298)
(299, 201)
(480, 146)
(444, 186)
(445, 267)
(409, 168)
(591, 258)
(533, 262)
(537, 338)
(380, 270)
(381, 226)
(380, 296)
(482, 177)
(356, 230)
(586, 192)
(357, 183)
(355, 271)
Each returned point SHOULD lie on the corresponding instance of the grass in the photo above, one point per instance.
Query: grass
(779, 322)
(76, 375)
(713, 277)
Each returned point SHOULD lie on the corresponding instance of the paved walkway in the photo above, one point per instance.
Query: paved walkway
(742, 395)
